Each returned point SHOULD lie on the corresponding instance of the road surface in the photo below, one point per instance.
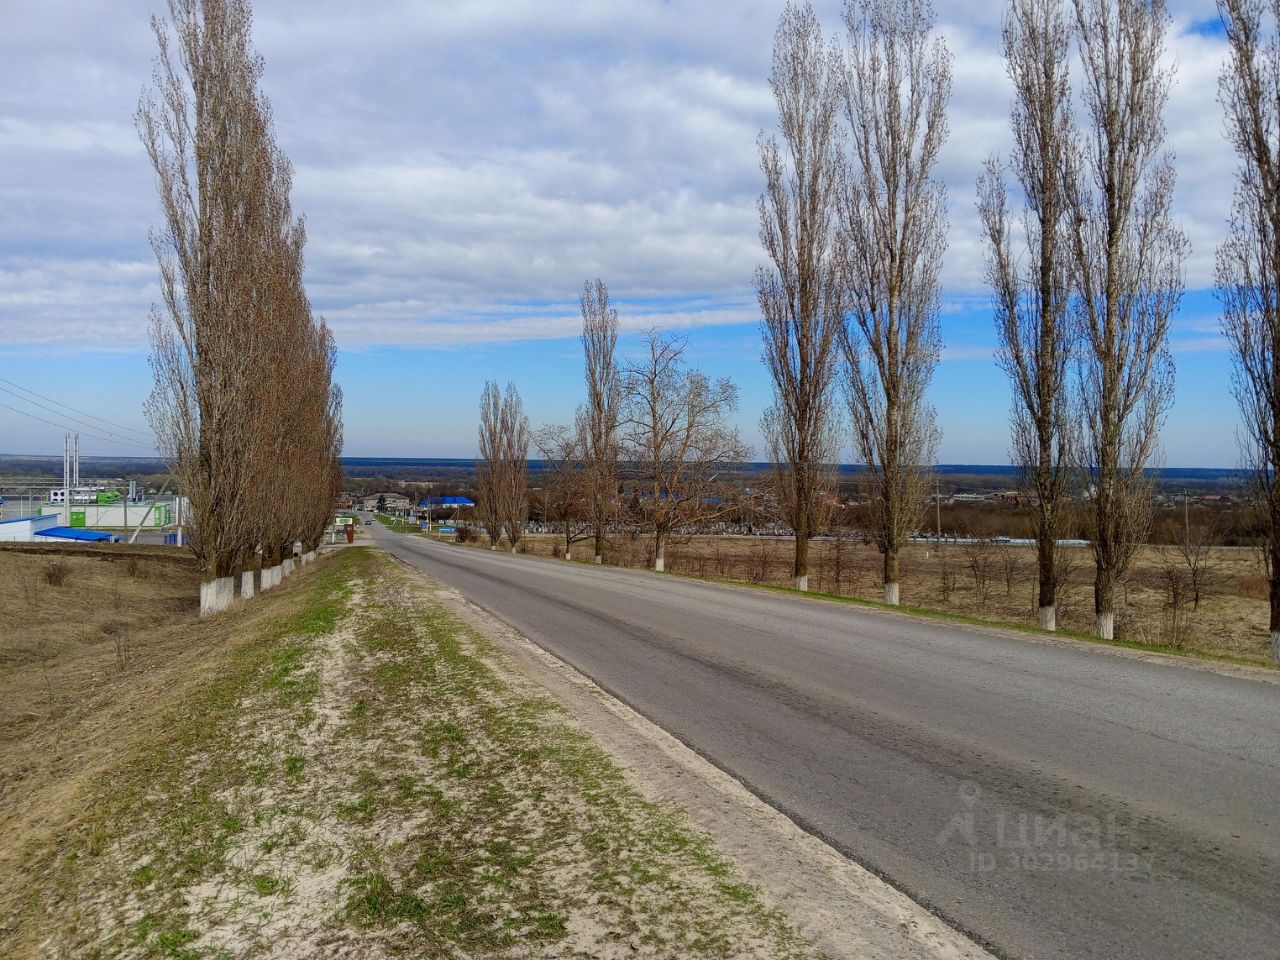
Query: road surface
(1050, 800)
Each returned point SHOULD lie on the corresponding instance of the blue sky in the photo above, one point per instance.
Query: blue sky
(464, 167)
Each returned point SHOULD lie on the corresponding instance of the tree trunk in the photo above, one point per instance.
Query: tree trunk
(1275, 601)
(1046, 544)
(599, 545)
(1104, 604)
(801, 569)
(892, 593)
(659, 553)
(246, 585)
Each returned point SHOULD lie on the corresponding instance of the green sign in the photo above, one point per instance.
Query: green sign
(77, 518)
(162, 514)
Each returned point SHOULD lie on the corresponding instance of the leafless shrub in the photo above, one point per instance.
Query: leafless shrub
(1010, 567)
(760, 561)
(946, 581)
(55, 573)
(981, 562)
(1176, 585)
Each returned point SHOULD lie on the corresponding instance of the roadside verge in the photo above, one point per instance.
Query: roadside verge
(367, 776)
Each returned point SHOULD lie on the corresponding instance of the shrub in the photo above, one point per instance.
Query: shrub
(56, 573)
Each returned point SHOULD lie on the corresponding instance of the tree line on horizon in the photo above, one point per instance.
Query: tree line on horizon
(244, 407)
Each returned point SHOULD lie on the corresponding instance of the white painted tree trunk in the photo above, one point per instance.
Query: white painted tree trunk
(599, 558)
(311, 554)
(660, 558)
(892, 593)
(246, 585)
(802, 583)
(1049, 617)
(568, 555)
(286, 568)
(1275, 646)
(217, 595)
(1107, 626)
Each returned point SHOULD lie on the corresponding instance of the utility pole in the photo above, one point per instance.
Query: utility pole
(1186, 517)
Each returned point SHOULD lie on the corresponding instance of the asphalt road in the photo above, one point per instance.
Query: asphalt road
(1048, 800)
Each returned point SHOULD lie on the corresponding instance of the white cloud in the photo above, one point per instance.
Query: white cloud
(458, 161)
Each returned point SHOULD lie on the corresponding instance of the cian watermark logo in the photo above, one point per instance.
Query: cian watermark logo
(1062, 842)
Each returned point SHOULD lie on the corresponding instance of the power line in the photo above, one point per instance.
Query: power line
(63, 426)
(58, 413)
(110, 423)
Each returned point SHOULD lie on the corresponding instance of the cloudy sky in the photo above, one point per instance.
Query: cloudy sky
(463, 167)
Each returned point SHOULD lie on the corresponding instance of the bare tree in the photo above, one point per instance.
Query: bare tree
(1128, 256)
(600, 416)
(898, 82)
(801, 294)
(1032, 293)
(1248, 266)
(514, 484)
(564, 483)
(230, 269)
(489, 465)
(674, 426)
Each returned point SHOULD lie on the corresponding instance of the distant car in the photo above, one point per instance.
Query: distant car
(367, 522)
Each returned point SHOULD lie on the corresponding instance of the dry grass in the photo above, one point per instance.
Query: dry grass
(87, 677)
(83, 617)
(991, 581)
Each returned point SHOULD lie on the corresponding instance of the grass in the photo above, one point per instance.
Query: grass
(368, 771)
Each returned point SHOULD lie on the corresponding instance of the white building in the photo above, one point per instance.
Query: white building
(24, 529)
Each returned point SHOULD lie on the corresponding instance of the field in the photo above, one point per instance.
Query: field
(996, 582)
(339, 768)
